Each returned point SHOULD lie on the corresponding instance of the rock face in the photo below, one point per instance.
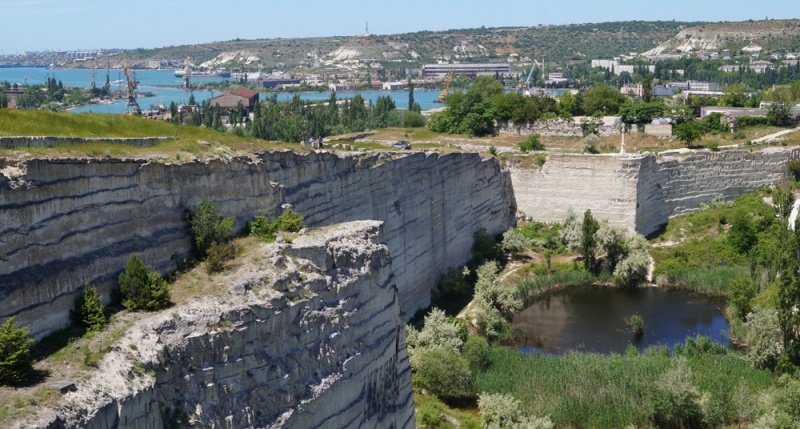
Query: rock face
(641, 192)
(64, 222)
(315, 339)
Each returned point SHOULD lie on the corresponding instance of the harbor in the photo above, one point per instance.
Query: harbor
(165, 87)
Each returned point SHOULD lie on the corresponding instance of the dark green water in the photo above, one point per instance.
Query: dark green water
(593, 319)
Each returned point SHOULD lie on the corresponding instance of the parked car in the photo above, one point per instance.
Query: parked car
(401, 144)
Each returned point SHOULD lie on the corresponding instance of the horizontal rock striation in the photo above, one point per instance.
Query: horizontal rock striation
(641, 192)
(313, 339)
(676, 185)
(64, 222)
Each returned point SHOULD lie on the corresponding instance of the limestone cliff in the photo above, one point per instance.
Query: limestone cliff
(307, 335)
(64, 222)
(641, 192)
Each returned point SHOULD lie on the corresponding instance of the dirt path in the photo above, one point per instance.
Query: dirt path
(774, 136)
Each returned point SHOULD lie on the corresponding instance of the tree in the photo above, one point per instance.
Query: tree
(647, 88)
(734, 95)
(688, 132)
(437, 332)
(588, 242)
(411, 102)
(208, 226)
(15, 355)
(192, 100)
(602, 100)
(142, 290)
(89, 310)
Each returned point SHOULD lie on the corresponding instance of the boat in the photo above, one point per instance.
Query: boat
(201, 74)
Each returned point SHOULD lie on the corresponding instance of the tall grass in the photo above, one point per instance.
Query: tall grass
(591, 390)
(713, 281)
(559, 279)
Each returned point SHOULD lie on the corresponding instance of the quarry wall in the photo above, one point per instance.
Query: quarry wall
(64, 222)
(641, 192)
(311, 337)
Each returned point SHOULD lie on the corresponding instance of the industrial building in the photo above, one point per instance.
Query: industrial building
(442, 70)
(230, 100)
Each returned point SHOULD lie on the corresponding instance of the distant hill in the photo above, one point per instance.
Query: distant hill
(555, 43)
(747, 36)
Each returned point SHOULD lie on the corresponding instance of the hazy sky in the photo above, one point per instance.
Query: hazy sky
(36, 25)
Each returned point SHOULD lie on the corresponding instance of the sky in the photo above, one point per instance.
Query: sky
(38, 25)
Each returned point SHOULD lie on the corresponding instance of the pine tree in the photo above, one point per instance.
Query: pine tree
(133, 283)
(142, 289)
(15, 355)
(88, 310)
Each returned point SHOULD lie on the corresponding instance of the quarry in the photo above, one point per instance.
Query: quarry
(312, 330)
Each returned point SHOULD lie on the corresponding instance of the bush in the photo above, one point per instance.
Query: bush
(218, 256)
(142, 290)
(454, 282)
(445, 374)
(500, 411)
(590, 144)
(436, 332)
(208, 226)
(492, 150)
(794, 168)
(290, 221)
(88, 310)
(752, 121)
(636, 324)
(476, 352)
(765, 339)
(531, 143)
(264, 227)
(676, 398)
(515, 242)
(16, 363)
(484, 247)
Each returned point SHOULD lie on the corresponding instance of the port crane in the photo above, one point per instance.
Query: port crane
(131, 88)
(443, 94)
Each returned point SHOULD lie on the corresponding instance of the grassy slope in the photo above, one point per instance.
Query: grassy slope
(185, 139)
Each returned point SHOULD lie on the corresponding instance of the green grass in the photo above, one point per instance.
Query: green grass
(184, 138)
(590, 390)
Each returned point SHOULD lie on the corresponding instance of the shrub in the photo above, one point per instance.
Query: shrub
(218, 256)
(142, 290)
(531, 143)
(15, 355)
(765, 339)
(492, 150)
(476, 352)
(484, 247)
(208, 226)
(751, 121)
(636, 324)
(454, 282)
(675, 400)
(264, 227)
(794, 168)
(436, 332)
(500, 411)
(713, 146)
(290, 221)
(88, 310)
(514, 241)
(445, 374)
(590, 144)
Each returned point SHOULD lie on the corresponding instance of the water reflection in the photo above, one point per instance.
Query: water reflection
(593, 319)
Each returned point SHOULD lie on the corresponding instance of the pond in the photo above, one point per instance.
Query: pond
(592, 319)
